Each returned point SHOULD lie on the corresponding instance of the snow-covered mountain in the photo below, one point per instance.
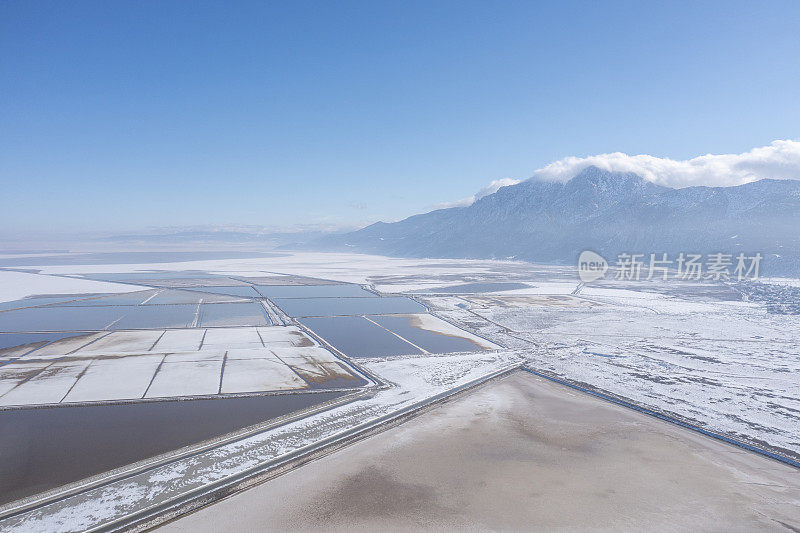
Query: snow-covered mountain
(607, 212)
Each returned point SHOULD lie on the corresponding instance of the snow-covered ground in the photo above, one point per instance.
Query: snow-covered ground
(695, 350)
(414, 381)
(129, 365)
(688, 348)
(15, 285)
(730, 366)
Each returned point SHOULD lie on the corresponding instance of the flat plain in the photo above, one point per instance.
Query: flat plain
(521, 454)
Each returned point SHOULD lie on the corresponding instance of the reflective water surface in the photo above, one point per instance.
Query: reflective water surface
(41, 449)
(427, 340)
(314, 291)
(299, 307)
(356, 336)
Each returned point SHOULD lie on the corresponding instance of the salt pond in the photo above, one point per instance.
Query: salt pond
(357, 337)
(300, 307)
(48, 447)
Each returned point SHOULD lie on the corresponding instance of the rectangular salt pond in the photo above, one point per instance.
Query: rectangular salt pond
(245, 291)
(179, 340)
(227, 338)
(60, 318)
(116, 379)
(357, 337)
(430, 341)
(47, 319)
(45, 448)
(263, 374)
(50, 385)
(314, 291)
(172, 296)
(156, 316)
(129, 298)
(122, 342)
(300, 307)
(15, 344)
(238, 314)
(186, 378)
(67, 345)
(31, 302)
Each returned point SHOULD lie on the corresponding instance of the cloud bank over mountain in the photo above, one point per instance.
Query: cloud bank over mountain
(486, 191)
(778, 160)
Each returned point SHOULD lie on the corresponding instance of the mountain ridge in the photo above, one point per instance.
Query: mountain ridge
(608, 212)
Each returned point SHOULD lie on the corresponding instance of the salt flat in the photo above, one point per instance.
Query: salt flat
(252, 375)
(691, 350)
(521, 454)
(50, 385)
(184, 378)
(232, 338)
(422, 380)
(124, 342)
(734, 376)
(115, 379)
(180, 340)
(131, 365)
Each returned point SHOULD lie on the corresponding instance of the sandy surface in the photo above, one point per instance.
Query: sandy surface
(522, 453)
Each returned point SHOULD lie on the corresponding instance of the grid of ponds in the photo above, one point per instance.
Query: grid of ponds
(357, 322)
(44, 448)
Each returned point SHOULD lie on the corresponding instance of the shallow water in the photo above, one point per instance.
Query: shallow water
(60, 318)
(236, 290)
(299, 307)
(235, 314)
(314, 291)
(31, 302)
(10, 341)
(44, 448)
(427, 340)
(115, 317)
(355, 336)
(170, 296)
(156, 317)
(130, 298)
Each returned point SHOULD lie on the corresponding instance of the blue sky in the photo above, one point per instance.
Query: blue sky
(120, 115)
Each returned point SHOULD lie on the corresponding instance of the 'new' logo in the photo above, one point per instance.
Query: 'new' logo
(591, 266)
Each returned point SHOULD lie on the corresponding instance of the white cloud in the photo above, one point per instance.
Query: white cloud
(779, 160)
(486, 191)
(493, 186)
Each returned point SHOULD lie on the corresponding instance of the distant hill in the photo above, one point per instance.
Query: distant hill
(608, 212)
